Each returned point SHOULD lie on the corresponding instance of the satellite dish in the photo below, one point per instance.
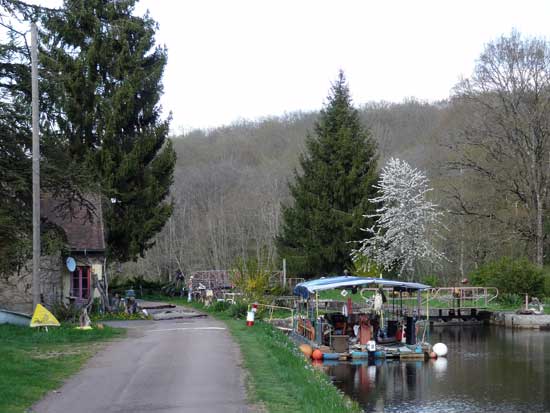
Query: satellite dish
(71, 264)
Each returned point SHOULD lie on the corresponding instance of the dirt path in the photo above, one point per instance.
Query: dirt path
(169, 366)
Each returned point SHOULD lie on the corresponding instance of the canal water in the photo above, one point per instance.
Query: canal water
(488, 369)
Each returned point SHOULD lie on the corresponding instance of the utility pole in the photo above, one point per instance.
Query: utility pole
(35, 171)
(284, 272)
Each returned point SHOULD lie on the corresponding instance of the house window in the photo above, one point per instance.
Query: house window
(80, 282)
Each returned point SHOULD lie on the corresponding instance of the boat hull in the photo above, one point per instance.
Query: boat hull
(12, 317)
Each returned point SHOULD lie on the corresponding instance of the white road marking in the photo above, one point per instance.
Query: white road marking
(190, 328)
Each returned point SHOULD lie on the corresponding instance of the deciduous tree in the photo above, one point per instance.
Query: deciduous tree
(407, 222)
(506, 141)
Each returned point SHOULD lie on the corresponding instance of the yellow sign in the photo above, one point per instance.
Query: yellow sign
(43, 318)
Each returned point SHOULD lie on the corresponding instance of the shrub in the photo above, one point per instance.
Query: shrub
(511, 300)
(139, 284)
(279, 290)
(251, 277)
(220, 306)
(238, 310)
(66, 312)
(363, 266)
(547, 285)
(510, 277)
(432, 280)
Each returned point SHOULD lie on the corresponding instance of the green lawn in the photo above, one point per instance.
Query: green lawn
(32, 362)
(497, 306)
(337, 296)
(280, 378)
(119, 317)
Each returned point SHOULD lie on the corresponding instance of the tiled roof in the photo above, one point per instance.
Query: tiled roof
(83, 227)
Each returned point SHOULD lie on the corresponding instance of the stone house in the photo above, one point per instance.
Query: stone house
(85, 243)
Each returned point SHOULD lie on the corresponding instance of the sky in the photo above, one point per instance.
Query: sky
(250, 59)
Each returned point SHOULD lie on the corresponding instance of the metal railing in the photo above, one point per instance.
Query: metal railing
(271, 309)
(292, 281)
(231, 297)
(436, 298)
(461, 297)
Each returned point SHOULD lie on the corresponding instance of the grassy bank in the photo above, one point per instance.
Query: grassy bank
(498, 306)
(33, 362)
(282, 379)
(279, 376)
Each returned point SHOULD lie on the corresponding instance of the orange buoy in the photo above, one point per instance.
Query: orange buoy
(317, 354)
(306, 349)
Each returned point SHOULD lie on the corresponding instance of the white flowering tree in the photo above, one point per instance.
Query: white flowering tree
(407, 221)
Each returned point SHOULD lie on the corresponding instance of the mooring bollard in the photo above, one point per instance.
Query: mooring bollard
(250, 318)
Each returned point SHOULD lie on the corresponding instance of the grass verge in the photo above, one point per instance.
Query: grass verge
(33, 362)
(119, 317)
(279, 376)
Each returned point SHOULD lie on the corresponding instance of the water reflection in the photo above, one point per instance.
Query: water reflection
(488, 369)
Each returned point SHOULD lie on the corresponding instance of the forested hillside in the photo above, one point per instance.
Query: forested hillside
(484, 152)
(230, 183)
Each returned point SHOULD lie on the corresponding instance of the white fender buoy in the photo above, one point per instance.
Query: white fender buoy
(440, 349)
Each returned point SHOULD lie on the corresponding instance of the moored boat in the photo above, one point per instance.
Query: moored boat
(359, 331)
(13, 317)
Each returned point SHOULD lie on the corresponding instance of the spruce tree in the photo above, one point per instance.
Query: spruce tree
(106, 72)
(15, 164)
(16, 145)
(331, 190)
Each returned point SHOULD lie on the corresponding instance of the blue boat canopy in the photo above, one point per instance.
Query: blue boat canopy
(308, 287)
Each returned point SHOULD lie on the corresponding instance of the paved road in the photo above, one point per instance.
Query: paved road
(187, 365)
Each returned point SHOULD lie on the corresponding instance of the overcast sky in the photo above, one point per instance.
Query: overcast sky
(247, 59)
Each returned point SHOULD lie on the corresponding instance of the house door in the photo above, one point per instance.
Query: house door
(80, 282)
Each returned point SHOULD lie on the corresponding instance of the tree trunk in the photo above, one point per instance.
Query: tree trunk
(539, 236)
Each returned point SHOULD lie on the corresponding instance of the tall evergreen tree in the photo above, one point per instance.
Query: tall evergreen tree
(15, 164)
(16, 145)
(331, 192)
(107, 74)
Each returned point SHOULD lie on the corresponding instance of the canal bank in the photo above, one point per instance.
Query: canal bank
(512, 319)
(508, 319)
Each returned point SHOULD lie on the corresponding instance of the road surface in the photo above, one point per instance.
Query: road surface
(169, 366)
